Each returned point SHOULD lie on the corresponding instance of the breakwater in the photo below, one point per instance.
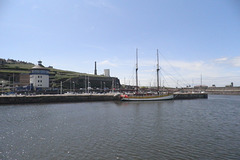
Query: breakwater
(210, 90)
(223, 90)
(23, 99)
(58, 98)
(179, 96)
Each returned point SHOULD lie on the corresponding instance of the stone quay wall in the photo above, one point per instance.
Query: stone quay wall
(24, 99)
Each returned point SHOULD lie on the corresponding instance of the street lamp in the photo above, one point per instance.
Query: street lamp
(89, 86)
(73, 87)
(2, 88)
(104, 86)
(61, 87)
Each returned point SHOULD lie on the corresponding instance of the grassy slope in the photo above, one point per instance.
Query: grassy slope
(57, 74)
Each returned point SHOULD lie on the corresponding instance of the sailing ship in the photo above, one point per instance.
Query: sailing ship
(146, 97)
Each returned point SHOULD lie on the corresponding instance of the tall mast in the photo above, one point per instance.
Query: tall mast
(201, 82)
(157, 72)
(137, 69)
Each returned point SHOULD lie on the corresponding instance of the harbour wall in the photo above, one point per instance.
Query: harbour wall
(179, 96)
(59, 98)
(24, 99)
(210, 90)
(223, 90)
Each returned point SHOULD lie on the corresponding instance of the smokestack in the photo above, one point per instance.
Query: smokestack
(40, 63)
(95, 71)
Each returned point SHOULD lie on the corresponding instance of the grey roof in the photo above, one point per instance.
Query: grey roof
(39, 67)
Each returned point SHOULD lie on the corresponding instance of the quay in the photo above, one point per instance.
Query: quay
(56, 98)
(59, 98)
(180, 96)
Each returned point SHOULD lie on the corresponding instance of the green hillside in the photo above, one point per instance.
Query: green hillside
(10, 72)
(25, 68)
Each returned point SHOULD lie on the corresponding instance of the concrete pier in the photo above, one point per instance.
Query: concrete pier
(24, 99)
(58, 98)
(179, 96)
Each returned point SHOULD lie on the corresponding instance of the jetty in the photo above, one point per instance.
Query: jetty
(57, 98)
(66, 98)
(180, 96)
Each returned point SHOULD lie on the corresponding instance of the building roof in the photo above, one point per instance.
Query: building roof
(39, 67)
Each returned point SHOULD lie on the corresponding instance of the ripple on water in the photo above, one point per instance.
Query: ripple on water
(192, 129)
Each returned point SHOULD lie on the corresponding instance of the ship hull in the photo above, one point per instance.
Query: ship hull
(147, 98)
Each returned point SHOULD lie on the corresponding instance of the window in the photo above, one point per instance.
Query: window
(40, 71)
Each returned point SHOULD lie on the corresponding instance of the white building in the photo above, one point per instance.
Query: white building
(39, 76)
(107, 72)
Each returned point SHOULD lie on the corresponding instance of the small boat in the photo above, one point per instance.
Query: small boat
(146, 97)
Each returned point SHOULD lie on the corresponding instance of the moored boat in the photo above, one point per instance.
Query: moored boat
(146, 97)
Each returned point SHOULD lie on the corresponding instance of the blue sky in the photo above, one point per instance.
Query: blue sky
(194, 38)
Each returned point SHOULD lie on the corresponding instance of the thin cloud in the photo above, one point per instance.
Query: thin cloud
(107, 63)
(235, 61)
(184, 73)
(220, 60)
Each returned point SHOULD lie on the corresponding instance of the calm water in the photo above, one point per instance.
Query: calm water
(180, 129)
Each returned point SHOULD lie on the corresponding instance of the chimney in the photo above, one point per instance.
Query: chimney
(95, 71)
(39, 62)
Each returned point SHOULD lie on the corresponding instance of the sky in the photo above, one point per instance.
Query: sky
(198, 40)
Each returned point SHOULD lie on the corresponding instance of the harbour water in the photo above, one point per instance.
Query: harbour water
(178, 129)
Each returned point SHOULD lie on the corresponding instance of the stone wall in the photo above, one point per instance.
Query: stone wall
(19, 99)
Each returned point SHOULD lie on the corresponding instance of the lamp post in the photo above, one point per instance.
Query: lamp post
(104, 86)
(85, 84)
(61, 87)
(73, 87)
(70, 85)
(2, 88)
(89, 86)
